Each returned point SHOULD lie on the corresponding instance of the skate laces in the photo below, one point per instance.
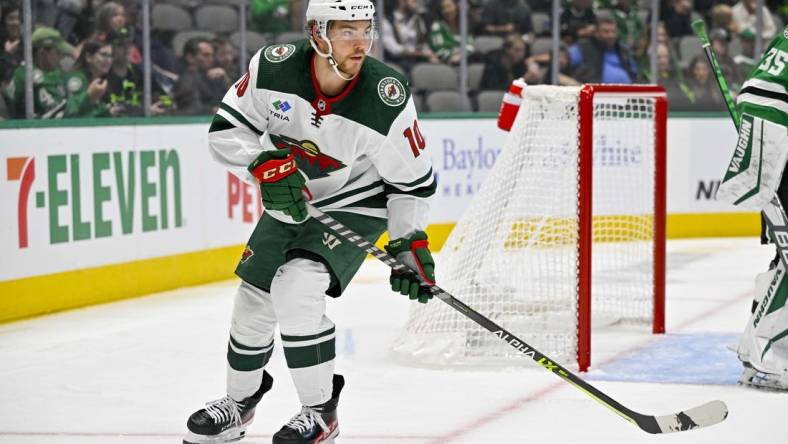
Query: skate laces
(224, 410)
(306, 419)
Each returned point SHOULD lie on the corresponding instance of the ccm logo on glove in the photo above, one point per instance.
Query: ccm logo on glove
(275, 169)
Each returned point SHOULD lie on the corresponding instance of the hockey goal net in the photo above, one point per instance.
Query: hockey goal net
(568, 225)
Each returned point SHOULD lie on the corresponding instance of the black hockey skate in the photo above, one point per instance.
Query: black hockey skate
(315, 424)
(225, 420)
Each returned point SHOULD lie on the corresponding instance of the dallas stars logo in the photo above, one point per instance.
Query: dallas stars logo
(278, 53)
(310, 160)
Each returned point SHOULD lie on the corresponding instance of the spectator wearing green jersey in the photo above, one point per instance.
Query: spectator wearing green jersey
(125, 82)
(49, 92)
(270, 15)
(444, 35)
(630, 25)
(87, 84)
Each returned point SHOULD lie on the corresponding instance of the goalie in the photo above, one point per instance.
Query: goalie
(753, 178)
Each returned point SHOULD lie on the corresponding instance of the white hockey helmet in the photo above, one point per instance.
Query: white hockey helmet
(321, 12)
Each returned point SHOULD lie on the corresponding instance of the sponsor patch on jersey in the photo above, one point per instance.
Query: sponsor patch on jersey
(74, 84)
(785, 32)
(391, 91)
(280, 109)
(281, 105)
(278, 53)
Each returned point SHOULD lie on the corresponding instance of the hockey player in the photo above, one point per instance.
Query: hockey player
(314, 120)
(753, 176)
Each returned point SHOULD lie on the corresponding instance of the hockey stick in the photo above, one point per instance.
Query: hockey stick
(774, 216)
(704, 415)
(699, 26)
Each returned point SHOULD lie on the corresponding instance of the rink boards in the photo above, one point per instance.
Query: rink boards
(99, 213)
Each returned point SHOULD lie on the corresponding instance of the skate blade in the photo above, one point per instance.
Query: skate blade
(226, 436)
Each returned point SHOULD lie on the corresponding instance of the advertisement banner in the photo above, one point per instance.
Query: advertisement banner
(84, 197)
(81, 197)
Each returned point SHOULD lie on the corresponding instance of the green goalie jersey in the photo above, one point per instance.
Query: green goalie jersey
(361, 151)
(764, 93)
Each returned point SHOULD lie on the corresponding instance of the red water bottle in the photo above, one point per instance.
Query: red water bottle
(511, 104)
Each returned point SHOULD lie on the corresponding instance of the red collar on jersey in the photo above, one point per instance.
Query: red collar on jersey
(322, 103)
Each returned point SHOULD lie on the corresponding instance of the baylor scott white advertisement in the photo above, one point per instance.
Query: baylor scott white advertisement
(80, 197)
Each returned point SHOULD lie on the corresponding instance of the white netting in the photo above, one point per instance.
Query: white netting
(513, 255)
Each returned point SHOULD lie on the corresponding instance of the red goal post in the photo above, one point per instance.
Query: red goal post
(586, 111)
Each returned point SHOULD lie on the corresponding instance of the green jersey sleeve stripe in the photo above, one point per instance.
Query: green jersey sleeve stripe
(219, 123)
(238, 116)
(418, 181)
(425, 191)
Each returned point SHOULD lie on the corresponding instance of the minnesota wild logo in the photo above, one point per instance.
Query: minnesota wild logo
(391, 91)
(246, 254)
(310, 160)
(278, 53)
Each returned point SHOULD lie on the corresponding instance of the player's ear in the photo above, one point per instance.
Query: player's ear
(314, 34)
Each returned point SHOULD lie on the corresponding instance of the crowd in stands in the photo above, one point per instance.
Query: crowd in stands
(88, 61)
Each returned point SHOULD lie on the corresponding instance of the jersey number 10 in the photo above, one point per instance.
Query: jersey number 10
(415, 139)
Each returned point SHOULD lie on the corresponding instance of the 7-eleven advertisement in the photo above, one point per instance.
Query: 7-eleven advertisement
(77, 198)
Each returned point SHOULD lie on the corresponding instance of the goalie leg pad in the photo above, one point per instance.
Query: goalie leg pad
(763, 348)
(756, 167)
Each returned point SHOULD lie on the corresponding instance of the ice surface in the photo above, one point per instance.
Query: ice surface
(131, 372)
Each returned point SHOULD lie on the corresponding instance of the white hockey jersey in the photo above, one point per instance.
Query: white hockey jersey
(361, 151)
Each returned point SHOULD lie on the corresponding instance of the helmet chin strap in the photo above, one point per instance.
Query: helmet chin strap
(330, 57)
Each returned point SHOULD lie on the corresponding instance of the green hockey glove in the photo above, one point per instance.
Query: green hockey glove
(415, 253)
(280, 182)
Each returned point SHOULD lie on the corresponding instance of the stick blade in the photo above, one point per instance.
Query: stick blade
(705, 415)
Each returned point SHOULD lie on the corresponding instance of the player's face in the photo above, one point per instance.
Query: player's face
(350, 41)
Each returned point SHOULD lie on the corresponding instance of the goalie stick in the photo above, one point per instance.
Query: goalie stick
(703, 415)
(774, 215)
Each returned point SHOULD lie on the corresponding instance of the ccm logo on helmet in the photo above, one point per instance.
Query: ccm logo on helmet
(361, 7)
